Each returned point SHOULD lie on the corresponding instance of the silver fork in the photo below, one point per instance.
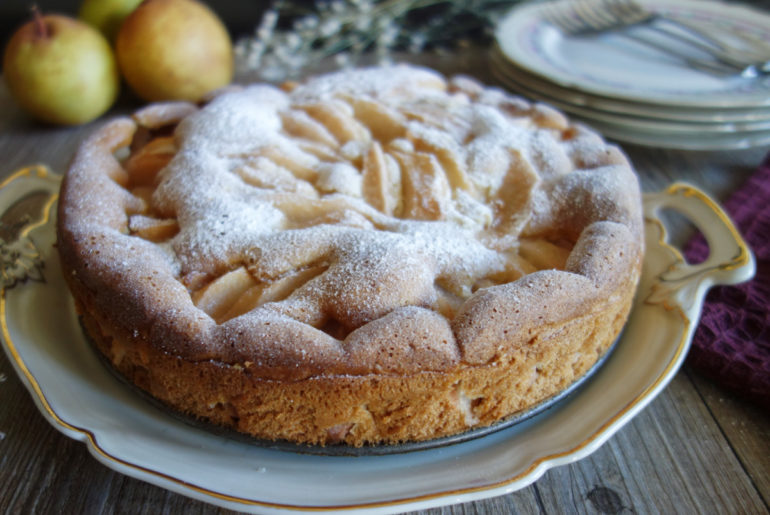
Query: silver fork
(581, 17)
(752, 58)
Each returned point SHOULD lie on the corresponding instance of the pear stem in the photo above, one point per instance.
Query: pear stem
(41, 29)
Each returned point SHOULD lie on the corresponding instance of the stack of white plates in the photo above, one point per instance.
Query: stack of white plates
(637, 94)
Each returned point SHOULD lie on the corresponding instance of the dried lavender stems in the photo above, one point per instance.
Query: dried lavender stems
(288, 39)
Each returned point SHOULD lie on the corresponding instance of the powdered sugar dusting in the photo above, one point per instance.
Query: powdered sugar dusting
(242, 122)
(401, 81)
(248, 191)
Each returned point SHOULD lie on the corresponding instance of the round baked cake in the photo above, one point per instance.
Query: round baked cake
(368, 257)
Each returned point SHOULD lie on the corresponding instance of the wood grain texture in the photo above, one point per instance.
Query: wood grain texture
(744, 426)
(695, 449)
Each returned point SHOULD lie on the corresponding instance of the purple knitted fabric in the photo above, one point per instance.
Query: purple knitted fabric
(732, 343)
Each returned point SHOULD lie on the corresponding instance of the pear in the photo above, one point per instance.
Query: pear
(61, 70)
(106, 15)
(174, 50)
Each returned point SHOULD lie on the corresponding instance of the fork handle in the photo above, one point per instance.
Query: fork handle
(719, 50)
(713, 67)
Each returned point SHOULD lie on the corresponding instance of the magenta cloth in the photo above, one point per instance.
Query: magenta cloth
(731, 345)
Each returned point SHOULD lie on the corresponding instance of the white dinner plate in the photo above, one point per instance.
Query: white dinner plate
(641, 122)
(652, 132)
(741, 118)
(693, 141)
(607, 65)
(81, 398)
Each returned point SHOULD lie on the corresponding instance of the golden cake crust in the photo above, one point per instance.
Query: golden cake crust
(248, 262)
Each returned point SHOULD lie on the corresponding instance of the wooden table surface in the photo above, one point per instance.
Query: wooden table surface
(695, 449)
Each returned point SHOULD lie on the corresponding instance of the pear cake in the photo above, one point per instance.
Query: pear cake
(368, 257)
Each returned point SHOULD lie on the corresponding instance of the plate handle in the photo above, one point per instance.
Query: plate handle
(730, 260)
(26, 198)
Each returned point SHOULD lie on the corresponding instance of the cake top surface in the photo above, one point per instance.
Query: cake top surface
(348, 210)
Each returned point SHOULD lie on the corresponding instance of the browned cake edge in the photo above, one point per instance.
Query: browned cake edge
(368, 409)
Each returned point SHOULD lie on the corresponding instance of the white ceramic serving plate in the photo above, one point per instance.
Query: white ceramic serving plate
(81, 398)
(608, 65)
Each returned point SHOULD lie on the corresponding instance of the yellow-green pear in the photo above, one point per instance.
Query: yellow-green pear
(106, 15)
(174, 50)
(61, 70)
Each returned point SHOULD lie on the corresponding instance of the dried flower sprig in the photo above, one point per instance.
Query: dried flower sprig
(290, 38)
